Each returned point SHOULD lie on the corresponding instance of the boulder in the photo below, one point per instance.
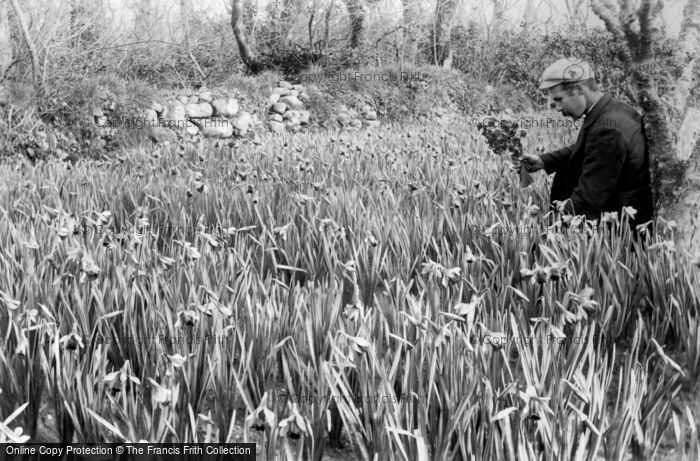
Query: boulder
(194, 99)
(216, 128)
(284, 84)
(156, 107)
(225, 107)
(292, 102)
(162, 135)
(343, 118)
(293, 127)
(294, 93)
(183, 99)
(279, 107)
(150, 117)
(282, 91)
(206, 96)
(356, 123)
(242, 123)
(274, 97)
(275, 117)
(277, 127)
(371, 115)
(175, 116)
(200, 110)
(304, 96)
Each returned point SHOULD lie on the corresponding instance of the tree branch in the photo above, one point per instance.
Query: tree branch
(243, 49)
(614, 28)
(30, 44)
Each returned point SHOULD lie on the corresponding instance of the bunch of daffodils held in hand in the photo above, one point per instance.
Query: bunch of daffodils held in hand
(505, 136)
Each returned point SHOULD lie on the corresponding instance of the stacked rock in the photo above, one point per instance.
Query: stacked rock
(105, 132)
(369, 115)
(351, 119)
(201, 114)
(286, 108)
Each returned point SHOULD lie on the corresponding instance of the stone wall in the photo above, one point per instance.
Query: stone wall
(208, 115)
(286, 111)
(220, 117)
(201, 114)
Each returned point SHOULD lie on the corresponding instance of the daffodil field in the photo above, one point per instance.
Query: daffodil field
(385, 294)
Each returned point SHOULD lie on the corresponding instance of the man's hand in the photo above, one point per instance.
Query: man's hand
(529, 161)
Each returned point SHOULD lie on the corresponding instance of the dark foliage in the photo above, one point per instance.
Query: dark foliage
(291, 60)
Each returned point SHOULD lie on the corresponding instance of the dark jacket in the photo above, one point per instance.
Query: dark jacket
(608, 166)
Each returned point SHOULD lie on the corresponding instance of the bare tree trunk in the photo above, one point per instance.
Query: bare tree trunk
(442, 28)
(246, 55)
(285, 23)
(312, 16)
(357, 13)
(327, 25)
(410, 23)
(143, 26)
(36, 77)
(6, 38)
(499, 8)
(670, 120)
(575, 12)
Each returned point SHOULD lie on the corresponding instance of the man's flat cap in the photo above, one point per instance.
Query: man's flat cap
(566, 71)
